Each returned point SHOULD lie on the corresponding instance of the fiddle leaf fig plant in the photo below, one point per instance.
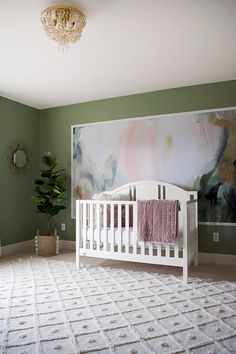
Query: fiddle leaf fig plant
(50, 189)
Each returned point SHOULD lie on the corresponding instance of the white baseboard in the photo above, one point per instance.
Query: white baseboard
(17, 247)
(214, 258)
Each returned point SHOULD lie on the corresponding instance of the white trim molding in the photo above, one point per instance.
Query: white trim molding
(214, 258)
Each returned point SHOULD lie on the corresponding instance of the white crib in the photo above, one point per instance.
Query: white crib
(96, 238)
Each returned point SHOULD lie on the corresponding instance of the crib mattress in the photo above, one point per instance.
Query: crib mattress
(121, 236)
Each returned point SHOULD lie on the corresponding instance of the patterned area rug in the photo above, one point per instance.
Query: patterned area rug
(50, 307)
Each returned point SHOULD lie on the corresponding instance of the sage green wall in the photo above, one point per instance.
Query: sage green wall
(55, 135)
(18, 221)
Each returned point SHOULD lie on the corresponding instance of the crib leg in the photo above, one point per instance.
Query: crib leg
(195, 259)
(185, 274)
(77, 255)
(77, 260)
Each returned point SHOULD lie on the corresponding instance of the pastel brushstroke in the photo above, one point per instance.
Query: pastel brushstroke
(138, 158)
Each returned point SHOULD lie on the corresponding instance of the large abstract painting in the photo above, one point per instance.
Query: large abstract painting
(195, 150)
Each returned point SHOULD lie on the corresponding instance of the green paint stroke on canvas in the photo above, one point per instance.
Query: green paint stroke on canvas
(218, 187)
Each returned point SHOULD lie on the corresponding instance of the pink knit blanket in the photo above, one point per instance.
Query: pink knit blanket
(158, 220)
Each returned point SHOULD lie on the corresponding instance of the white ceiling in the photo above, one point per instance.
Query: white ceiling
(128, 46)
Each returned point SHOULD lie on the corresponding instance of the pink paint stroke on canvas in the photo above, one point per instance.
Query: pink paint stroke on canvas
(138, 156)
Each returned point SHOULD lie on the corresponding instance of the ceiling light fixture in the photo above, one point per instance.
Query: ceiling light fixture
(63, 24)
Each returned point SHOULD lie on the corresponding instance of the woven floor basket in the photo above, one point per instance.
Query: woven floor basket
(46, 245)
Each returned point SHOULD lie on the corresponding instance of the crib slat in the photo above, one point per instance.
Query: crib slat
(112, 226)
(168, 250)
(150, 249)
(78, 228)
(158, 249)
(119, 231)
(127, 232)
(91, 225)
(105, 226)
(81, 225)
(176, 250)
(135, 231)
(84, 224)
(98, 226)
(143, 247)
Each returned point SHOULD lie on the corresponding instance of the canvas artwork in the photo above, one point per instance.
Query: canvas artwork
(196, 151)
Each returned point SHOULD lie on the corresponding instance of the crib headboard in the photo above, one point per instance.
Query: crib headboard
(141, 190)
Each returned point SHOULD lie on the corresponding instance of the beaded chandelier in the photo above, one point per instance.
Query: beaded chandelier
(63, 24)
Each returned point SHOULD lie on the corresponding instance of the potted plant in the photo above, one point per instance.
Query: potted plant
(50, 189)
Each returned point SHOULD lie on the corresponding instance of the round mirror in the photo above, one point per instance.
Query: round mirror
(20, 158)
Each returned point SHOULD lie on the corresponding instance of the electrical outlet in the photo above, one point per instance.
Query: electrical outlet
(216, 236)
(63, 227)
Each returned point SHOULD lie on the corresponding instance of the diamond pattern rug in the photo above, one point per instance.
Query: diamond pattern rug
(48, 306)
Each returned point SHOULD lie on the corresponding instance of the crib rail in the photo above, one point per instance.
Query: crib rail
(108, 229)
(99, 219)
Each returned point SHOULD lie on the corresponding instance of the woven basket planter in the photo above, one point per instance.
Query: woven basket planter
(46, 246)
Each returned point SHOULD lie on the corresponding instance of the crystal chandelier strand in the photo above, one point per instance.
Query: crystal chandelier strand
(63, 24)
